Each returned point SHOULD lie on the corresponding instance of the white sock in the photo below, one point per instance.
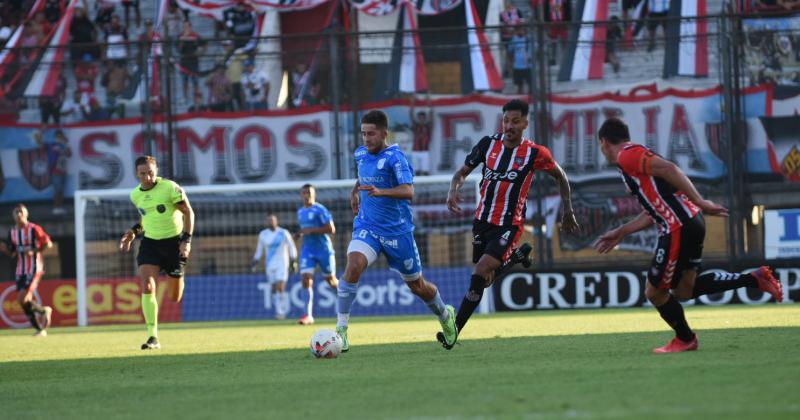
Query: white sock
(276, 303)
(310, 304)
(342, 320)
(285, 302)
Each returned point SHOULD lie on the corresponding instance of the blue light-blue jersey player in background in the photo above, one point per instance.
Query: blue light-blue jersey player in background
(316, 226)
(381, 199)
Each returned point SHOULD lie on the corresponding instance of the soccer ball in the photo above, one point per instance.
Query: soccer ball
(326, 344)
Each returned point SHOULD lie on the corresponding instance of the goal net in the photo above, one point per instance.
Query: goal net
(228, 218)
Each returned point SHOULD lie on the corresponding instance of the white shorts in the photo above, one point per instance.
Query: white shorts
(276, 274)
(422, 161)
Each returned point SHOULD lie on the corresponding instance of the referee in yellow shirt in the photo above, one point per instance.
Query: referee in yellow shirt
(167, 221)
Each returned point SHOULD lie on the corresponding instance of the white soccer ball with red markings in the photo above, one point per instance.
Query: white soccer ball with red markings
(326, 344)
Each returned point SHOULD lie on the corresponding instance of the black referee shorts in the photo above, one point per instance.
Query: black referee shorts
(164, 253)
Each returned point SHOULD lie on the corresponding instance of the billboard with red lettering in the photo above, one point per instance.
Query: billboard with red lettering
(110, 301)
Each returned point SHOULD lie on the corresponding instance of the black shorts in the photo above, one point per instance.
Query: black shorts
(497, 241)
(679, 251)
(164, 253)
(521, 76)
(28, 281)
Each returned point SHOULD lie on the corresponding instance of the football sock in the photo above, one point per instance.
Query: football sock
(719, 282)
(150, 311)
(285, 302)
(347, 293)
(28, 309)
(471, 300)
(310, 304)
(276, 302)
(436, 305)
(672, 313)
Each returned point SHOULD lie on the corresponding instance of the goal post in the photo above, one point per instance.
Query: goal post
(228, 218)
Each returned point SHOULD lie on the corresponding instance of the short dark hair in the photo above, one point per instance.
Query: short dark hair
(307, 186)
(145, 160)
(614, 131)
(376, 117)
(516, 105)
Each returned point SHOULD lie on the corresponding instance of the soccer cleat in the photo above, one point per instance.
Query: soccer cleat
(306, 320)
(280, 317)
(768, 283)
(47, 316)
(521, 255)
(151, 344)
(449, 334)
(678, 345)
(40, 333)
(342, 331)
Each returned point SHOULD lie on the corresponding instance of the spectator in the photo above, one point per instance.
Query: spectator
(44, 25)
(115, 79)
(522, 53)
(105, 9)
(422, 127)
(256, 88)
(558, 13)
(613, 38)
(300, 79)
(50, 106)
(71, 109)
(190, 45)
(58, 154)
(241, 23)
(86, 72)
(96, 112)
(128, 5)
(9, 108)
(116, 40)
(220, 91)
(233, 71)
(198, 105)
(174, 20)
(32, 38)
(53, 10)
(510, 17)
(657, 11)
(83, 36)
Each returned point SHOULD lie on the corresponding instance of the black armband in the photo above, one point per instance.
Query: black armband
(137, 229)
(185, 237)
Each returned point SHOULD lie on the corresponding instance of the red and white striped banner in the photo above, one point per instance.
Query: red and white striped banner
(413, 77)
(45, 77)
(587, 44)
(485, 75)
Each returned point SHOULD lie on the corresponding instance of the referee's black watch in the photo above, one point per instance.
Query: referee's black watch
(185, 237)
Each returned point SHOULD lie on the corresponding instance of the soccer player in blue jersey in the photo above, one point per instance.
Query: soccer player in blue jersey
(316, 224)
(381, 199)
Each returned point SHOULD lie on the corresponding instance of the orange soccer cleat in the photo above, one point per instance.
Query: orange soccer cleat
(768, 283)
(678, 345)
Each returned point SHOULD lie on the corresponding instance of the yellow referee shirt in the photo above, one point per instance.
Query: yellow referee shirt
(160, 218)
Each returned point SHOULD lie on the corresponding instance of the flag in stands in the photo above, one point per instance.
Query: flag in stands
(46, 76)
(689, 57)
(481, 73)
(586, 53)
(406, 70)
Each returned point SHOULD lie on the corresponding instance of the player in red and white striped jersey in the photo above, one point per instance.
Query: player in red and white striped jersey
(509, 162)
(672, 202)
(26, 241)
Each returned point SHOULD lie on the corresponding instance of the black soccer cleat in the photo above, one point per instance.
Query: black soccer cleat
(522, 255)
(440, 338)
(151, 344)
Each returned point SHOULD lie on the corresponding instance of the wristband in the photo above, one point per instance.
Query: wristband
(137, 229)
(185, 237)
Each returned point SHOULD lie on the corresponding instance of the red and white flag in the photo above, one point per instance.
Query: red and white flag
(587, 47)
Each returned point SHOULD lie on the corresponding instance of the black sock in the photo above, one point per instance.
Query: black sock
(28, 308)
(672, 313)
(471, 300)
(39, 309)
(719, 282)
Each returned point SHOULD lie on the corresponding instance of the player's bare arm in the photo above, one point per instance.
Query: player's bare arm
(128, 237)
(400, 192)
(188, 227)
(454, 195)
(613, 237)
(355, 200)
(568, 221)
(671, 173)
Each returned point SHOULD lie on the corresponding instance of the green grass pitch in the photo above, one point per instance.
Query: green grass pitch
(583, 364)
